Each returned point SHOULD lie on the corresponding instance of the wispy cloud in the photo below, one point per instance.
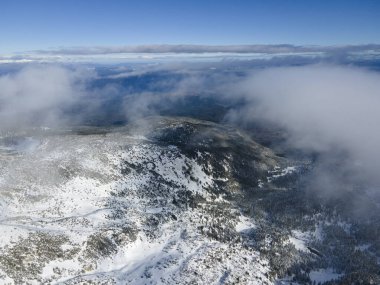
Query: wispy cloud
(271, 49)
(38, 95)
(193, 52)
(332, 110)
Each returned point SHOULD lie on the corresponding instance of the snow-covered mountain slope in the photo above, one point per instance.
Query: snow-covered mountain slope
(172, 201)
(129, 207)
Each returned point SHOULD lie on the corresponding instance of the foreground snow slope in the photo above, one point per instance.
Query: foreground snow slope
(118, 208)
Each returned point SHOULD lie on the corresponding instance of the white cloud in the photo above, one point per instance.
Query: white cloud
(37, 95)
(323, 108)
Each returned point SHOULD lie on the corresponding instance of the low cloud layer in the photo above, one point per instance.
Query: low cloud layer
(271, 49)
(38, 95)
(172, 53)
(328, 109)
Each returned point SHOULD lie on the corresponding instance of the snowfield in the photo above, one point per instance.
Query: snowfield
(117, 209)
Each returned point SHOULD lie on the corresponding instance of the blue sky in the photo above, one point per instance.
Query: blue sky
(41, 24)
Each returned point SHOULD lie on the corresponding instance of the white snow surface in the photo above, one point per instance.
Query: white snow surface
(277, 172)
(299, 240)
(323, 275)
(112, 187)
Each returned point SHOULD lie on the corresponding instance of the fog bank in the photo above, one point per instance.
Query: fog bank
(328, 109)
